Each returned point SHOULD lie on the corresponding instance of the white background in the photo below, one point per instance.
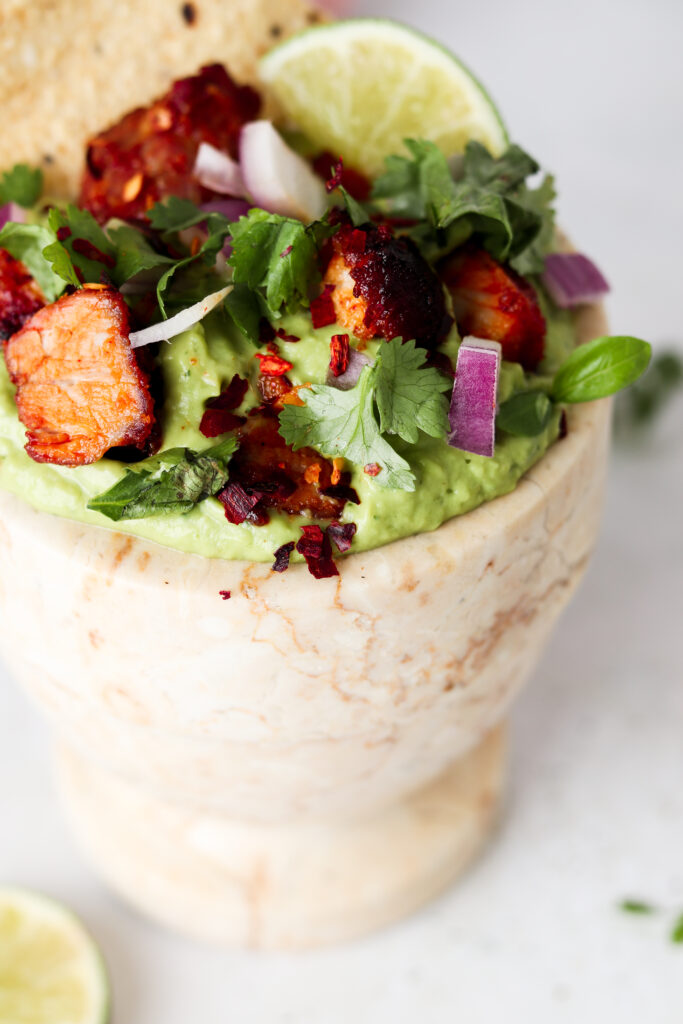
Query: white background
(595, 809)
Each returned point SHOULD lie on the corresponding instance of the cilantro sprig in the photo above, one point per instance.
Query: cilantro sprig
(22, 185)
(490, 199)
(397, 396)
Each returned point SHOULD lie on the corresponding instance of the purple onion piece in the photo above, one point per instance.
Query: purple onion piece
(571, 279)
(10, 212)
(472, 415)
(233, 209)
(349, 378)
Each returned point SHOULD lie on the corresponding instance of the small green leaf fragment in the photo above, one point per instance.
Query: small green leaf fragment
(637, 907)
(525, 415)
(600, 368)
(28, 242)
(677, 930)
(22, 185)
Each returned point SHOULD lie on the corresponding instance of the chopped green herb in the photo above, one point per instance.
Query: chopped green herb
(22, 185)
(28, 242)
(410, 395)
(526, 414)
(173, 482)
(677, 930)
(642, 404)
(637, 907)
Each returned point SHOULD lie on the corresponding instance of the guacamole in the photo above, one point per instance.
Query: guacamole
(197, 364)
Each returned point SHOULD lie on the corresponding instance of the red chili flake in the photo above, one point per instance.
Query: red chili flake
(372, 468)
(316, 548)
(238, 502)
(225, 594)
(336, 179)
(272, 365)
(322, 308)
(342, 534)
(282, 556)
(219, 421)
(286, 252)
(282, 334)
(85, 248)
(63, 233)
(339, 354)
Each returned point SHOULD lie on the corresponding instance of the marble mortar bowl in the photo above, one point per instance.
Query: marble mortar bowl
(311, 759)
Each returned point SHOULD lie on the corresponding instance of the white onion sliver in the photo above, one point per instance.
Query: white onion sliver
(277, 178)
(216, 170)
(180, 322)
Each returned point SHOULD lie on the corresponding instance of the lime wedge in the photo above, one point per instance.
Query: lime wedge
(360, 87)
(51, 972)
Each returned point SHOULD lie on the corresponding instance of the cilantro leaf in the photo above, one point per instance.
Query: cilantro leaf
(178, 480)
(409, 394)
(356, 211)
(134, 253)
(343, 423)
(490, 199)
(22, 185)
(277, 257)
(27, 242)
(174, 214)
(82, 251)
(247, 309)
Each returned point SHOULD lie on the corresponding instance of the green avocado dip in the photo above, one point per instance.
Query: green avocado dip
(198, 363)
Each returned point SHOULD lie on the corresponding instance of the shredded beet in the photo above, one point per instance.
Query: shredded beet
(225, 594)
(63, 233)
(215, 422)
(339, 354)
(266, 331)
(282, 556)
(342, 492)
(273, 365)
(322, 308)
(355, 183)
(282, 334)
(342, 534)
(85, 248)
(230, 397)
(286, 251)
(316, 548)
(238, 502)
(372, 469)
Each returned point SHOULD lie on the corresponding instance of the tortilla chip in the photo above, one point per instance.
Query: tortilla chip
(69, 69)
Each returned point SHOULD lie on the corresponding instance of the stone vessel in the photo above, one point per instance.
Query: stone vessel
(310, 759)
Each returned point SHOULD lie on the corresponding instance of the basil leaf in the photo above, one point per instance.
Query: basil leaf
(190, 478)
(28, 242)
(600, 368)
(525, 415)
(22, 185)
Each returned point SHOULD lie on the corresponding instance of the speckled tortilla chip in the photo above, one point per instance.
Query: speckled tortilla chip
(68, 69)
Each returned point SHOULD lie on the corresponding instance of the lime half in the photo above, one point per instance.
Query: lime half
(360, 87)
(51, 971)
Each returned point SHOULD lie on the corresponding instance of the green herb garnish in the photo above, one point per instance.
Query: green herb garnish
(22, 185)
(677, 930)
(637, 907)
(526, 414)
(398, 395)
(27, 242)
(173, 482)
(600, 368)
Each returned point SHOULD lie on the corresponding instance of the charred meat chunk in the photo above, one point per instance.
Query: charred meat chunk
(290, 481)
(20, 296)
(492, 301)
(384, 288)
(80, 390)
(151, 152)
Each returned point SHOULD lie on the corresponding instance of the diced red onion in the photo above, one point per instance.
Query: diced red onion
(216, 170)
(277, 178)
(571, 279)
(10, 212)
(180, 322)
(349, 378)
(472, 414)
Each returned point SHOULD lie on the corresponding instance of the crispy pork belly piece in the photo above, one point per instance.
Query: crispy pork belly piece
(290, 481)
(492, 301)
(384, 288)
(80, 390)
(151, 152)
(20, 296)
